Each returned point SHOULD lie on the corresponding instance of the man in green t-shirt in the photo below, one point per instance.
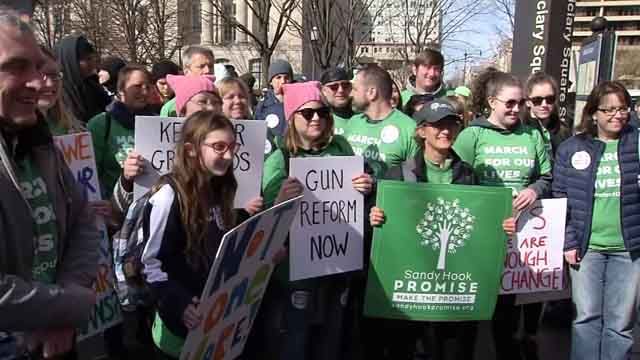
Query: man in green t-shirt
(198, 61)
(49, 241)
(381, 134)
(336, 90)
(428, 69)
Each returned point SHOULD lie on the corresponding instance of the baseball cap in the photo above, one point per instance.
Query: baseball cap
(435, 111)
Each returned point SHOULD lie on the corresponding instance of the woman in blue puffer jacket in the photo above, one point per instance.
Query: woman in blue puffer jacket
(597, 171)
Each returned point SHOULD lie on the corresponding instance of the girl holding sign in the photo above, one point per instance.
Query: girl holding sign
(438, 125)
(188, 214)
(597, 171)
(504, 152)
(299, 303)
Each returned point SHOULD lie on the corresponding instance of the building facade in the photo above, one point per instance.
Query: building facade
(624, 18)
(202, 25)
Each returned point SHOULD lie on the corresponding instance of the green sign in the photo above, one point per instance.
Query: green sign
(439, 255)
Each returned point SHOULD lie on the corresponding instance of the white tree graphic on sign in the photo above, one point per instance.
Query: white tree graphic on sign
(445, 226)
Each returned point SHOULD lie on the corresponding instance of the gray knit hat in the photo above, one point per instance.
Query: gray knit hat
(280, 67)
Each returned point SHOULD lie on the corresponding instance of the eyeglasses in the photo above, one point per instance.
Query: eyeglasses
(55, 76)
(537, 100)
(509, 104)
(221, 147)
(614, 111)
(345, 85)
(308, 113)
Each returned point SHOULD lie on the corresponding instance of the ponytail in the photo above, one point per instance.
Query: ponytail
(489, 83)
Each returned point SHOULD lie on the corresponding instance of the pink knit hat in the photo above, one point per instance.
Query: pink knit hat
(298, 94)
(186, 87)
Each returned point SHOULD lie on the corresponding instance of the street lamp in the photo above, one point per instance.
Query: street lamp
(314, 36)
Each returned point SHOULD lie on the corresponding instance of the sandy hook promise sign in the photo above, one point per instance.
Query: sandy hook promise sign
(156, 139)
(237, 282)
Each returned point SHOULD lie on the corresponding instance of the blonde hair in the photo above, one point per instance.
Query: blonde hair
(227, 85)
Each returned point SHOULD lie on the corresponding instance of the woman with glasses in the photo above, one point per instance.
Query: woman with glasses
(50, 103)
(288, 329)
(504, 152)
(597, 171)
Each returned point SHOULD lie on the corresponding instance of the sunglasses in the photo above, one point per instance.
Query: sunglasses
(537, 100)
(345, 85)
(308, 113)
(509, 104)
(221, 147)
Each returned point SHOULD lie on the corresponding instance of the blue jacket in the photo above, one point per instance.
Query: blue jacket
(271, 109)
(574, 178)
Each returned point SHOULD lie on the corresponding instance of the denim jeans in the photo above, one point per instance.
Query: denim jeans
(605, 293)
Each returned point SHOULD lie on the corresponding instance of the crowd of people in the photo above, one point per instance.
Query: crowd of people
(427, 133)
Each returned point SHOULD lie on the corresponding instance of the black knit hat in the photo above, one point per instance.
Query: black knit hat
(162, 68)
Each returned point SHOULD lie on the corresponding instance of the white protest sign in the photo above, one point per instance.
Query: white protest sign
(236, 283)
(534, 260)
(78, 153)
(156, 138)
(327, 235)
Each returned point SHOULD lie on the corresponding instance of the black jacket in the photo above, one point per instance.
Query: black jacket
(85, 97)
(558, 130)
(578, 186)
(413, 170)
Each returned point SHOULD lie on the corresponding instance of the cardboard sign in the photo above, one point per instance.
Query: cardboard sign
(439, 254)
(78, 153)
(535, 256)
(237, 282)
(327, 236)
(156, 139)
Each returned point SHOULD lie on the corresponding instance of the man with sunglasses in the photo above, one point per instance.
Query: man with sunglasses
(336, 90)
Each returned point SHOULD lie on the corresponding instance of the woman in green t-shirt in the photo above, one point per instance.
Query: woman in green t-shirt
(504, 152)
(597, 171)
(287, 333)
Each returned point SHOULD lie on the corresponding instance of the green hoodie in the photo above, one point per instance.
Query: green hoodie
(515, 158)
(411, 90)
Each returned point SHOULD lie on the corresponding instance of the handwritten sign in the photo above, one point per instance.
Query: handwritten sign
(237, 281)
(156, 139)
(535, 256)
(327, 236)
(78, 153)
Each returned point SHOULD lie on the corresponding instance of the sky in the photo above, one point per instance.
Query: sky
(479, 42)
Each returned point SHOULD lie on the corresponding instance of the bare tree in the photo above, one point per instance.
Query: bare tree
(50, 21)
(163, 35)
(130, 18)
(271, 20)
(92, 19)
(506, 9)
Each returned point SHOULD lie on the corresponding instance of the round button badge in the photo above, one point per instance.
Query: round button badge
(580, 160)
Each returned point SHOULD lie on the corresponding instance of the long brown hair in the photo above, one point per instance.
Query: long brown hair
(587, 124)
(198, 192)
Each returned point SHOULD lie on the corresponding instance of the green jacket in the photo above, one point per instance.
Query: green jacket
(169, 108)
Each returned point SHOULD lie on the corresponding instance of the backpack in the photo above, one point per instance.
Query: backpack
(128, 245)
